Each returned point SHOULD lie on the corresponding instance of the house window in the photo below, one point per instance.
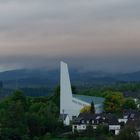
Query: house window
(84, 127)
(87, 122)
(75, 127)
(83, 121)
(92, 121)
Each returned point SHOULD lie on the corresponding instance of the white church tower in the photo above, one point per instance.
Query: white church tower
(65, 90)
(71, 104)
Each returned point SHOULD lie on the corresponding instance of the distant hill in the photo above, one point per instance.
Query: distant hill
(29, 78)
(37, 78)
(135, 76)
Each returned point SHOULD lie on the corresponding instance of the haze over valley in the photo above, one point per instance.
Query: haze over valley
(88, 35)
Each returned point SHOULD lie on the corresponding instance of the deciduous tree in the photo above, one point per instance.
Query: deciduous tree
(113, 102)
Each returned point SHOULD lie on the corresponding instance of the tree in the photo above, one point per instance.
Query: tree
(47, 137)
(42, 118)
(1, 85)
(86, 109)
(129, 104)
(90, 131)
(13, 120)
(92, 107)
(24, 118)
(102, 129)
(128, 133)
(113, 102)
(74, 89)
(56, 97)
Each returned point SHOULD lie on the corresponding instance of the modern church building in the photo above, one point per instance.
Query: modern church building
(71, 104)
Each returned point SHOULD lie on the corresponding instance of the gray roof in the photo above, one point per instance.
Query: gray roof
(103, 118)
(132, 114)
(89, 99)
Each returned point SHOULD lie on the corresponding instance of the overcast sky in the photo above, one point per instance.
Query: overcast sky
(89, 34)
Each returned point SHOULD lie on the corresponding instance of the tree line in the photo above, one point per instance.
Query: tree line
(26, 118)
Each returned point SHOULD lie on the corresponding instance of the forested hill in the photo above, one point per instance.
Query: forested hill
(37, 78)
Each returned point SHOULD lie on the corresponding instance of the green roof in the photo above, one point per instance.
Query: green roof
(89, 99)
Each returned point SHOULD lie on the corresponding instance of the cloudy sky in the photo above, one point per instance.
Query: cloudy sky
(89, 34)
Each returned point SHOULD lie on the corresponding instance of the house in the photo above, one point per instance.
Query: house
(65, 119)
(85, 119)
(131, 118)
(130, 115)
(123, 120)
(114, 125)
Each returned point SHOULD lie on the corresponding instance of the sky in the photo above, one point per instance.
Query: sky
(90, 35)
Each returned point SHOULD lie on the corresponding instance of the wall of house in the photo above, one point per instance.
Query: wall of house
(67, 121)
(138, 134)
(116, 128)
(80, 127)
(122, 120)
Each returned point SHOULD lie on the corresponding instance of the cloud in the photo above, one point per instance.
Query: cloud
(37, 33)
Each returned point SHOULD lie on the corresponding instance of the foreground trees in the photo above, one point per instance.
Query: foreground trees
(12, 117)
(129, 104)
(24, 118)
(128, 133)
(115, 102)
(88, 108)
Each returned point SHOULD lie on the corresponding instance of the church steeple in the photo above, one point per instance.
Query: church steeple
(65, 88)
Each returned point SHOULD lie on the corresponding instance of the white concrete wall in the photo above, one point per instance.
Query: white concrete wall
(68, 104)
(65, 89)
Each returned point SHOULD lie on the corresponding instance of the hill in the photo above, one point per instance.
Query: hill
(39, 78)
